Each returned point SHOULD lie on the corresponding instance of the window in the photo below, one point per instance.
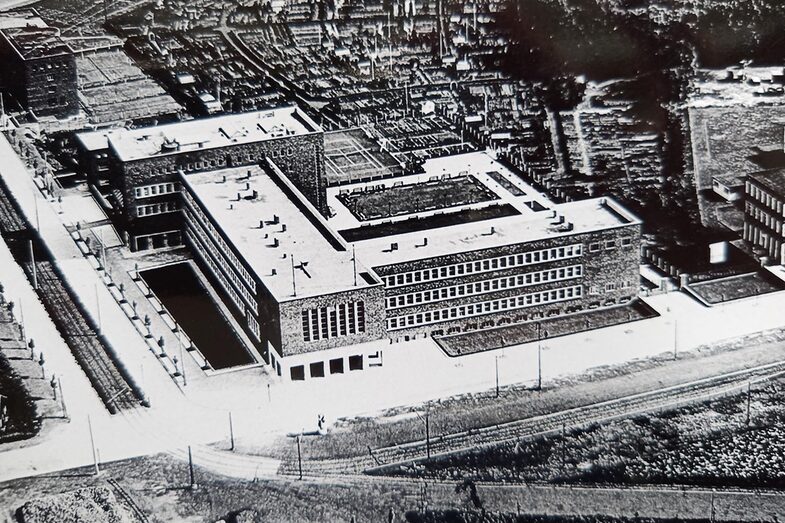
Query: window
(626, 242)
(610, 244)
(297, 373)
(336, 366)
(356, 362)
(594, 247)
(317, 369)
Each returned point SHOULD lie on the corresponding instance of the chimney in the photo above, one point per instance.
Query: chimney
(275, 242)
(223, 179)
(274, 272)
(238, 196)
(394, 246)
(275, 219)
(283, 227)
(261, 224)
(247, 186)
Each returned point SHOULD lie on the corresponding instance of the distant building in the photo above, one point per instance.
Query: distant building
(764, 213)
(39, 70)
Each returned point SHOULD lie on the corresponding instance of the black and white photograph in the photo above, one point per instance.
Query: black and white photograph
(395, 261)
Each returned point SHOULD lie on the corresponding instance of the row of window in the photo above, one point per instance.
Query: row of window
(156, 189)
(477, 309)
(479, 287)
(765, 198)
(609, 244)
(219, 257)
(490, 264)
(152, 209)
(208, 259)
(772, 222)
(334, 321)
(253, 325)
(216, 237)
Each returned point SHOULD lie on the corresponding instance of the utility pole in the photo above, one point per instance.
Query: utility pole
(182, 359)
(231, 432)
(62, 399)
(675, 339)
(428, 432)
(354, 264)
(294, 277)
(299, 458)
(192, 483)
(749, 386)
(32, 265)
(496, 360)
(539, 356)
(92, 445)
(98, 307)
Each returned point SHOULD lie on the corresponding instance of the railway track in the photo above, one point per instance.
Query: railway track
(382, 459)
(141, 517)
(69, 317)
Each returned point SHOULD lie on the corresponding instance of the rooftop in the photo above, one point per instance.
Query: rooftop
(535, 216)
(32, 42)
(584, 216)
(773, 180)
(208, 133)
(289, 235)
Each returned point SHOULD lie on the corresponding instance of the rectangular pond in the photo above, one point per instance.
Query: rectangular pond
(186, 299)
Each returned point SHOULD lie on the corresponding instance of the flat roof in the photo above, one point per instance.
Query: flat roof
(210, 133)
(525, 226)
(773, 180)
(584, 216)
(32, 42)
(320, 267)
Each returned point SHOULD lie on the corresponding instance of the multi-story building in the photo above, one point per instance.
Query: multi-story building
(39, 70)
(322, 280)
(764, 213)
(289, 279)
(526, 259)
(139, 168)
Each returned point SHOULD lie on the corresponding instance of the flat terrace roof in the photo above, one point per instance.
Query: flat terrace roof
(773, 180)
(561, 221)
(36, 42)
(536, 217)
(290, 232)
(210, 133)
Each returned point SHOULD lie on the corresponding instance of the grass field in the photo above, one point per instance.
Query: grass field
(711, 444)
(415, 198)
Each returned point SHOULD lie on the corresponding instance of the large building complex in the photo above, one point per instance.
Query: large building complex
(764, 213)
(322, 279)
(39, 70)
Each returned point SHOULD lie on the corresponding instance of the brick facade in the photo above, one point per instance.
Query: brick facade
(301, 158)
(42, 82)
